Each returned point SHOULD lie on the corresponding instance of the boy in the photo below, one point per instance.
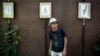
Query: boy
(58, 40)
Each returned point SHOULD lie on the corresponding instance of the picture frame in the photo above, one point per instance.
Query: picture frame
(8, 10)
(84, 10)
(45, 10)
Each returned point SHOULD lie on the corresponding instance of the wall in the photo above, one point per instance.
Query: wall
(32, 33)
(94, 23)
(32, 28)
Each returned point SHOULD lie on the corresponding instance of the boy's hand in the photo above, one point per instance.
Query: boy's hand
(64, 53)
(65, 47)
(49, 52)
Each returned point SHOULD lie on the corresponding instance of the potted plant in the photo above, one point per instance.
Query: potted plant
(10, 42)
(97, 48)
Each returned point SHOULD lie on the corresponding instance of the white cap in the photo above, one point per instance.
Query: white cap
(52, 20)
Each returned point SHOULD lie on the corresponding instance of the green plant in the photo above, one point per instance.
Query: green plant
(10, 41)
(97, 48)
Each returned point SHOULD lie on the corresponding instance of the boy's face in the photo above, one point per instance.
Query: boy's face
(54, 25)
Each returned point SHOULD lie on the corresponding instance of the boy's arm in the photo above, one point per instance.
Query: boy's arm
(50, 46)
(65, 46)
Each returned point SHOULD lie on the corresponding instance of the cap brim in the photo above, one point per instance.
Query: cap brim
(52, 22)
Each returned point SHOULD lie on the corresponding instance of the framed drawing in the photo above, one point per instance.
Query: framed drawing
(84, 10)
(45, 10)
(8, 10)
